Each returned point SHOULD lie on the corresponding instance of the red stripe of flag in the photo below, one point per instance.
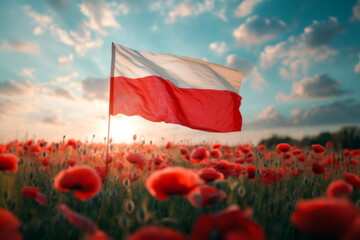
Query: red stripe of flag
(157, 99)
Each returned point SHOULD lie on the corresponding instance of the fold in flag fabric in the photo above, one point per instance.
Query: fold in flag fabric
(174, 89)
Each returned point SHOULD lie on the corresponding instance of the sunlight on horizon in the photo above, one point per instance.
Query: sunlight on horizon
(121, 129)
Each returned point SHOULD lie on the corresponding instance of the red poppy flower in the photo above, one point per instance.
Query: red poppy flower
(8, 162)
(250, 154)
(296, 172)
(210, 174)
(205, 196)
(98, 235)
(33, 193)
(230, 223)
(353, 179)
(101, 170)
(237, 170)
(109, 158)
(199, 154)
(329, 144)
(158, 161)
(9, 226)
(269, 176)
(317, 168)
(324, 217)
(286, 155)
(251, 171)
(134, 157)
(168, 145)
(216, 146)
(172, 181)
(318, 149)
(297, 152)
(29, 143)
(83, 223)
(224, 167)
(41, 199)
(29, 192)
(2, 148)
(155, 232)
(354, 231)
(283, 147)
(355, 152)
(228, 154)
(346, 152)
(184, 151)
(84, 180)
(240, 160)
(215, 153)
(261, 147)
(71, 162)
(301, 158)
(330, 160)
(71, 143)
(339, 188)
(119, 166)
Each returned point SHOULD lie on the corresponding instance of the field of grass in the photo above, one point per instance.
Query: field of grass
(124, 204)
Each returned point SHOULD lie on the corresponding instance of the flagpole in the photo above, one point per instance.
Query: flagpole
(110, 98)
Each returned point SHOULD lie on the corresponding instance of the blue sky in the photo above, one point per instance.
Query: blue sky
(301, 61)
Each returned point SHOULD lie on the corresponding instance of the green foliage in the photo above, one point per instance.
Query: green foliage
(346, 137)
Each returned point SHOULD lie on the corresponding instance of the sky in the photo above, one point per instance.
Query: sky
(300, 59)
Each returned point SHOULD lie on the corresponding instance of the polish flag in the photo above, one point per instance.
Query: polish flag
(175, 89)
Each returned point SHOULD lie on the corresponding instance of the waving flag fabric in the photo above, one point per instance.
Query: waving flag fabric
(175, 89)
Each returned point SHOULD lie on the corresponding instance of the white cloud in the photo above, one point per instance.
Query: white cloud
(96, 89)
(10, 107)
(38, 30)
(43, 21)
(66, 78)
(221, 14)
(65, 60)
(187, 8)
(154, 28)
(26, 89)
(356, 11)
(53, 120)
(357, 66)
(156, 5)
(100, 15)
(338, 112)
(218, 47)
(122, 8)
(257, 30)
(298, 52)
(64, 93)
(246, 7)
(250, 71)
(81, 39)
(269, 117)
(175, 10)
(317, 87)
(19, 46)
(10, 88)
(28, 72)
(268, 113)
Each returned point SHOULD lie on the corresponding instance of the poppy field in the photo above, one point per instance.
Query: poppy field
(72, 190)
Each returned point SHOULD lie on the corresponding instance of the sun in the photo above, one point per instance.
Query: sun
(122, 128)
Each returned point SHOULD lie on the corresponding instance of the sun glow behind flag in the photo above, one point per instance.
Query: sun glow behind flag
(175, 89)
